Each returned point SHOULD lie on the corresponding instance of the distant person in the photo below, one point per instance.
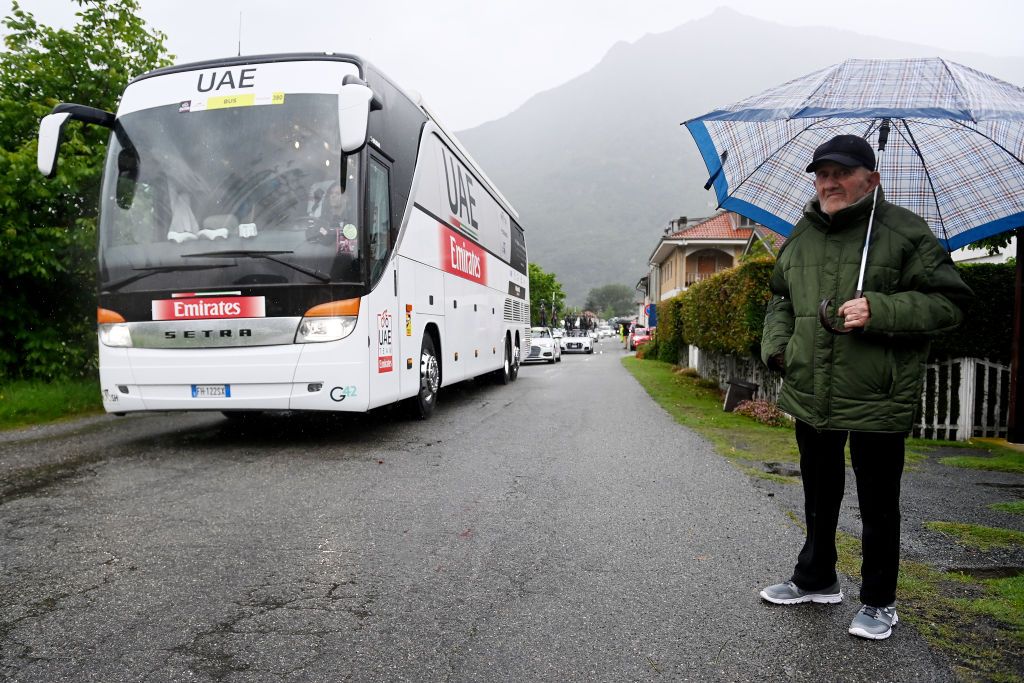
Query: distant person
(863, 386)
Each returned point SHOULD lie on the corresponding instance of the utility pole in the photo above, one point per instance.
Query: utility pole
(1015, 412)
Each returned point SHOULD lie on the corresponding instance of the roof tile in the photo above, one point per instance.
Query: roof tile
(718, 227)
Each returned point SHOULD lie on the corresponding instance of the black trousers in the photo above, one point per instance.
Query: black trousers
(877, 459)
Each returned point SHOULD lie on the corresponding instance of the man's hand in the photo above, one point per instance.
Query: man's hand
(855, 313)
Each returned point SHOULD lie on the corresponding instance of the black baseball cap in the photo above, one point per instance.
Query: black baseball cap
(848, 150)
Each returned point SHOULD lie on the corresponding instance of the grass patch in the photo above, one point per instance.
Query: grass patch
(28, 403)
(1002, 459)
(697, 403)
(1004, 602)
(977, 536)
(945, 608)
(1016, 507)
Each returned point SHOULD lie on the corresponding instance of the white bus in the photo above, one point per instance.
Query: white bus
(296, 233)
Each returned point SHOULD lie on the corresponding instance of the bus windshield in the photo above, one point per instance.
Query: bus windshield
(236, 196)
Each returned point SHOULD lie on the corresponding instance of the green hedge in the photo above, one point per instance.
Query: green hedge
(988, 320)
(669, 334)
(725, 313)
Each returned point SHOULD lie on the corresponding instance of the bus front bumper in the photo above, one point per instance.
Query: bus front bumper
(283, 377)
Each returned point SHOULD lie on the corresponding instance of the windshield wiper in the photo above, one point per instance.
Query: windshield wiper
(269, 255)
(146, 272)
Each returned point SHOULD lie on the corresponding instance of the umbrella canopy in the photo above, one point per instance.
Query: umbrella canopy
(955, 155)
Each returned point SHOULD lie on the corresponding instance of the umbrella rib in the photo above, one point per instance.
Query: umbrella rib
(960, 90)
(928, 177)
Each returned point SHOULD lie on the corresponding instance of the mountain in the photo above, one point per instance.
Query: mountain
(598, 166)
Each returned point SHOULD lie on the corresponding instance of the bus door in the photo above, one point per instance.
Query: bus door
(382, 301)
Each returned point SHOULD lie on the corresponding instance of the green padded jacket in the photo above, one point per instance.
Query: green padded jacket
(869, 380)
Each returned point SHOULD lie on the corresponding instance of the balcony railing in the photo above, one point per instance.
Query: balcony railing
(690, 278)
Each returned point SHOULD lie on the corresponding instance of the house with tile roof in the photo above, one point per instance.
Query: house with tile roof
(692, 251)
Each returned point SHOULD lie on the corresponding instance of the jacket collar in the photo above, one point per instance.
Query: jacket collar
(854, 214)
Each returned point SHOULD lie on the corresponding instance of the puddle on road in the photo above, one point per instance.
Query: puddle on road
(1015, 489)
(988, 572)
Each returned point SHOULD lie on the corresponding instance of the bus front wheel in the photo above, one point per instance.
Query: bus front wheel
(424, 402)
(504, 375)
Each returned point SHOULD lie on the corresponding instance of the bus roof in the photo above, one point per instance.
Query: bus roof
(362, 64)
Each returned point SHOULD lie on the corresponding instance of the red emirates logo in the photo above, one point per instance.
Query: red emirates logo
(206, 308)
(460, 256)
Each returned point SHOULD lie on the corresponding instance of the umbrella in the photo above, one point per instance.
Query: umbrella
(954, 153)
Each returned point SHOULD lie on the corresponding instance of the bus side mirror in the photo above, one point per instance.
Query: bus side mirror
(50, 129)
(52, 125)
(354, 102)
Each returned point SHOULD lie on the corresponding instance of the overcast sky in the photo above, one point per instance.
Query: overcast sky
(478, 60)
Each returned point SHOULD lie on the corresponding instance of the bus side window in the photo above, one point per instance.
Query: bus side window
(378, 209)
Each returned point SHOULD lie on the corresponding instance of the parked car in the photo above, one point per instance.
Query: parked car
(639, 336)
(577, 341)
(543, 346)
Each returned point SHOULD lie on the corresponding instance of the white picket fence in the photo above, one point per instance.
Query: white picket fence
(962, 398)
(983, 387)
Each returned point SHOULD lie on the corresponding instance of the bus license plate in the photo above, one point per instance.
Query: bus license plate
(211, 391)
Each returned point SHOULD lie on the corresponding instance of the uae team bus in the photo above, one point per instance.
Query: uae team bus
(294, 233)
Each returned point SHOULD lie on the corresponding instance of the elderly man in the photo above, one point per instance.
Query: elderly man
(863, 386)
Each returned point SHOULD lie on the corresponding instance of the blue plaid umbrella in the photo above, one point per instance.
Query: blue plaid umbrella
(955, 154)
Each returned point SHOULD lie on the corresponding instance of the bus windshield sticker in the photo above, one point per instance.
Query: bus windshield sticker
(230, 101)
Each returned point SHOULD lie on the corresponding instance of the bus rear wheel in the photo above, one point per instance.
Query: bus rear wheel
(514, 368)
(425, 400)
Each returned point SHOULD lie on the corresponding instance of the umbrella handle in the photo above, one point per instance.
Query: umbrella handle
(826, 323)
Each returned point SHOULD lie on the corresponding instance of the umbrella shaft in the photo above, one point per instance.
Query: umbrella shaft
(864, 252)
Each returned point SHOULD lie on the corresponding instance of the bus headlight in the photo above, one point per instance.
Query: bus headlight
(327, 322)
(116, 334)
(314, 330)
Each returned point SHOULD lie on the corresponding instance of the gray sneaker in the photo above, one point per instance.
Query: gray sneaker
(789, 593)
(874, 623)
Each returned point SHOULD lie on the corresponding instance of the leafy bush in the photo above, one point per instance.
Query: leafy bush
(725, 312)
(669, 333)
(763, 411)
(985, 332)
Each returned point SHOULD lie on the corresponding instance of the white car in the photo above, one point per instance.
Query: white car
(543, 346)
(577, 341)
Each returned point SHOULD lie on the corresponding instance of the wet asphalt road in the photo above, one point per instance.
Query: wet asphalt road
(562, 528)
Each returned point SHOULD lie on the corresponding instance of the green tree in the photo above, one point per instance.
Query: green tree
(48, 227)
(544, 287)
(610, 300)
(995, 244)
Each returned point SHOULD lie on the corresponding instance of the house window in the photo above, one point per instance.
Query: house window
(744, 222)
